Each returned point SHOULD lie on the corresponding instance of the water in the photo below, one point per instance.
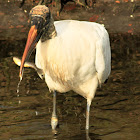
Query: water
(115, 112)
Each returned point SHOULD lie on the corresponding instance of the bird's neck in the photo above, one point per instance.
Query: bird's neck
(49, 31)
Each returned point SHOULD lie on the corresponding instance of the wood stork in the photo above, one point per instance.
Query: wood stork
(73, 55)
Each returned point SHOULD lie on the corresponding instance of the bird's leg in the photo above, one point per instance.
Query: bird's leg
(87, 114)
(54, 120)
(87, 135)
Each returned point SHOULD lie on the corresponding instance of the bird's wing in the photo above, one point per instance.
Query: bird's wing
(103, 58)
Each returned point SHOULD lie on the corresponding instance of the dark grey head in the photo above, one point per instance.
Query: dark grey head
(41, 17)
(41, 27)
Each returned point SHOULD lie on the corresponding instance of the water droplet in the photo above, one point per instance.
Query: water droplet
(25, 11)
(20, 78)
(28, 91)
(18, 85)
(36, 113)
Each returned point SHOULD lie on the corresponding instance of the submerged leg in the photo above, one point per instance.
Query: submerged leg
(87, 114)
(54, 120)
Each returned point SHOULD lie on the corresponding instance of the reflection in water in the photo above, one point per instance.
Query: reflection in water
(114, 112)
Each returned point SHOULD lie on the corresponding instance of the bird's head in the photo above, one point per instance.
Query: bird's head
(40, 22)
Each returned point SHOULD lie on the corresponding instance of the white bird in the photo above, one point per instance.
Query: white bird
(73, 55)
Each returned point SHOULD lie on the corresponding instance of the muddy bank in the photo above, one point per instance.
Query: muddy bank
(117, 17)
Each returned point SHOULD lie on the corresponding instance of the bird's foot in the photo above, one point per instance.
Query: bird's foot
(54, 122)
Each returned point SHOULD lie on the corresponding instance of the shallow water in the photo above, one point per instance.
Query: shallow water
(115, 112)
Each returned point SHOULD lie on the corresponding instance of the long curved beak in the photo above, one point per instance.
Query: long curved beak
(30, 44)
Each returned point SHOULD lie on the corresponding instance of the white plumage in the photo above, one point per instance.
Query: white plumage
(73, 55)
(77, 59)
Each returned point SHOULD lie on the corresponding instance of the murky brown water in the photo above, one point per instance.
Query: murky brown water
(115, 111)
